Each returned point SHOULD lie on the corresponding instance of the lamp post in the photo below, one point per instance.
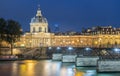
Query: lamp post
(58, 49)
(49, 52)
(70, 49)
(117, 52)
(86, 50)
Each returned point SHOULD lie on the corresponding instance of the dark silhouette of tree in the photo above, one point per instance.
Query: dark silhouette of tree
(2, 31)
(13, 31)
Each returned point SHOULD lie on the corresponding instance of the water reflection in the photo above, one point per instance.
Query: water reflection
(80, 71)
(23, 68)
(47, 68)
(79, 74)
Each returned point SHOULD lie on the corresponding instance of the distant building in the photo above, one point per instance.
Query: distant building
(101, 30)
(38, 35)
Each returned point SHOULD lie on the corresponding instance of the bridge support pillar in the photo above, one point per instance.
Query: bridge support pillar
(57, 56)
(87, 61)
(69, 58)
(108, 65)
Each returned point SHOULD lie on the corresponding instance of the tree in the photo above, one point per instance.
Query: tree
(13, 31)
(2, 31)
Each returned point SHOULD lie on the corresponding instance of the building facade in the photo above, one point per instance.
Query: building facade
(98, 37)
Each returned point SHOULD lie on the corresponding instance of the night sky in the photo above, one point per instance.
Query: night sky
(69, 15)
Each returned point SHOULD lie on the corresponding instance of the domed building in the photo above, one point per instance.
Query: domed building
(38, 35)
(38, 23)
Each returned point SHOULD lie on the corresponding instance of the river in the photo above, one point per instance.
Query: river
(47, 68)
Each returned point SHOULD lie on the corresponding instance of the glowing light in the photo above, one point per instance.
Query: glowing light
(70, 48)
(77, 40)
(100, 39)
(30, 41)
(58, 48)
(49, 48)
(87, 48)
(116, 49)
(22, 44)
(34, 33)
(28, 68)
(79, 73)
(96, 42)
(16, 51)
(81, 41)
(73, 42)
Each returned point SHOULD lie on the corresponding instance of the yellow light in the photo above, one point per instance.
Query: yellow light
(16, 51)
(28, 68)
(96, 42)
(30, 41)
(73, 42)
(22, 44)
(79, 74)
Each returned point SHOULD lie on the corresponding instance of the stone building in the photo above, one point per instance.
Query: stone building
(94, 37)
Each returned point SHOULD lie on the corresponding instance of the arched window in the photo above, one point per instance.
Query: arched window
(45, 30)
(33, 29)
(40, 29)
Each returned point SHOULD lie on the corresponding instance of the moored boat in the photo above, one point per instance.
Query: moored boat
(8, 57)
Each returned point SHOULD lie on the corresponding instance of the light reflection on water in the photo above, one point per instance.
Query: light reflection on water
(47, 68)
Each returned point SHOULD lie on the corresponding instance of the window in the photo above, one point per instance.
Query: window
(40, 29)
(45, 30)
(33, 29)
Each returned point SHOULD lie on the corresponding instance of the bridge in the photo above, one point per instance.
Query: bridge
(39, 52)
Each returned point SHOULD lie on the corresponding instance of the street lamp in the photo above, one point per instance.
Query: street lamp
(87, 49)
(58, 49)
(49, 48)
(70, 49)
(117, 50)
(49, 52)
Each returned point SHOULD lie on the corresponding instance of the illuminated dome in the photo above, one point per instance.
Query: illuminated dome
(38, 18)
